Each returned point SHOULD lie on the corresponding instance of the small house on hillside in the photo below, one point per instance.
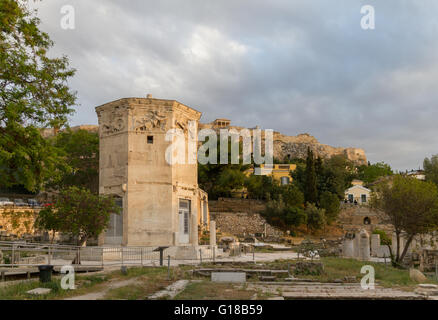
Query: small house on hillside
(357, 194)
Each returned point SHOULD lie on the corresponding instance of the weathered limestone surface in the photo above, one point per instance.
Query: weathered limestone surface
(212, 233)
(348, 248)
(243, 224)
(39, 291)
(356, 245)
(417, 275)
(238, 277)
(134, 167)
(364, 243)
(318, 290)
(296, 147)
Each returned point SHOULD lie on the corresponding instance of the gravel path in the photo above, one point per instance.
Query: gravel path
(101, 294)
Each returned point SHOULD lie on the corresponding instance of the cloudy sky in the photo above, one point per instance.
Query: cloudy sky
(294, 66)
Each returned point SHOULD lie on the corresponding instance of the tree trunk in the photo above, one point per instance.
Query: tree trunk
(390, 253)
(53, 237)
(77, 259)
(405, 250)
(397, 257)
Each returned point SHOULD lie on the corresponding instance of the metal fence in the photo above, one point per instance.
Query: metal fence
(25, 254)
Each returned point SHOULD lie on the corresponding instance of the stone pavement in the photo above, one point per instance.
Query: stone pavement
(171, 291)
(318, 290)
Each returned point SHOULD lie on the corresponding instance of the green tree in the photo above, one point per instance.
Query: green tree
(220, 180)
(338, 172)
(284, 215)
(431, 169)
(33, 94)
(410, 206)
(291, 195)
(315, 217)
(372, 172)
(80, 149)
(78, 212)
(311, 191)
(330, 202)
(260, 187)
(48, 220)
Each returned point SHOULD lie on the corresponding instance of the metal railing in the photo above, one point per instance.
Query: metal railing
(25, 254)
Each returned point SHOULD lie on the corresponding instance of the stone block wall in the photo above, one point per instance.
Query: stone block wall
(243, 223)
(241, 217)
(236, 205)
(16, 222)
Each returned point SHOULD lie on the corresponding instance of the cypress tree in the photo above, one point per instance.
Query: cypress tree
(311, 191)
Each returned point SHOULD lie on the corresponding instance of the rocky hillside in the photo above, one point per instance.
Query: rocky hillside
(296, 147)
(284, 146)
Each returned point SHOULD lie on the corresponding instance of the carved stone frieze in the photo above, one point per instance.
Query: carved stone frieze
(153, 119)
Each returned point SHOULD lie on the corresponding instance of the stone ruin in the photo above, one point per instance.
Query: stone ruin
(357, 245)
(429, 260)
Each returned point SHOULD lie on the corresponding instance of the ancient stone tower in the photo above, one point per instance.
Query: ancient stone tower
(162, 204)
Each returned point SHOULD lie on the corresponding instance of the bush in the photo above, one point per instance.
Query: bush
(330, 202)
(315, 217)
(384, 238)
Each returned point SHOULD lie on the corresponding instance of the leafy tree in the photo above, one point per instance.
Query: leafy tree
(283, 215)
(410, 206)
(330, 202)
(311, 191)
(48, 220)
(299, 176)
(220, 180)
(333, 175)
(78, 212)
(294, 216)
(315, 217)
(80, 149)
(372, 172)
(230, 179)
(337, 174)
(292, 196)
(260, 187)
(33, 94)
(431, 169)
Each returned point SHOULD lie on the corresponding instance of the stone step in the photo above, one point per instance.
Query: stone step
(251, 271)
(351, 295)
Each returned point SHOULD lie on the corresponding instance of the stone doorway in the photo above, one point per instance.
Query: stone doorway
(184, 221)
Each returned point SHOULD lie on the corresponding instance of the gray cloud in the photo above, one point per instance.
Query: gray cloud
(293, 66)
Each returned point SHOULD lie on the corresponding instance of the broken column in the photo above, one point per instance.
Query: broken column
(348, 248)
(212, 233)
(356, 245)
(375, 244)
(364, 245)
